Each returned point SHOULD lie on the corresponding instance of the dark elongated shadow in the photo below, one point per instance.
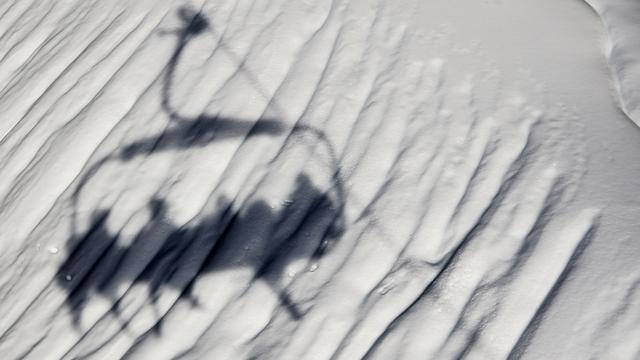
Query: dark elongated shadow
(199, 132)
(189, 131)
(166, 255)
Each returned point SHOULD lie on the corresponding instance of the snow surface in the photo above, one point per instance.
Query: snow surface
(317, 179)
(621, 19)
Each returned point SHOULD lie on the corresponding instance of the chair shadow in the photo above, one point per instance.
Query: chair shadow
(192, 131)
(166, 255)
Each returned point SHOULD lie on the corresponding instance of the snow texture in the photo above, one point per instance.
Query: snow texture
(277, 180)
(621, 19)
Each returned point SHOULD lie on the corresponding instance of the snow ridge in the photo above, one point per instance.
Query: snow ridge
(620, 19)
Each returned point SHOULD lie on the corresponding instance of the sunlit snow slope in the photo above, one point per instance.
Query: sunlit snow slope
(274, 180)
(621, 19)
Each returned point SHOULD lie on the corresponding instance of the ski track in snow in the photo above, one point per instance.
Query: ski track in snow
(272, 180)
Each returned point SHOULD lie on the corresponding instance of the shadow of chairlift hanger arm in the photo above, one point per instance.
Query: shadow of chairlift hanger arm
(199, 130)
(187, 132)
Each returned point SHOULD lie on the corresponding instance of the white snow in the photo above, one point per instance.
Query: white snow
(318, 179)
(620, 19)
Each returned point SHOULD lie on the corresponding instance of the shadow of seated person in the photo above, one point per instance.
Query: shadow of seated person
(260, 237)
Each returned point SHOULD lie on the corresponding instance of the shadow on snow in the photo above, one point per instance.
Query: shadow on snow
(164, 254)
